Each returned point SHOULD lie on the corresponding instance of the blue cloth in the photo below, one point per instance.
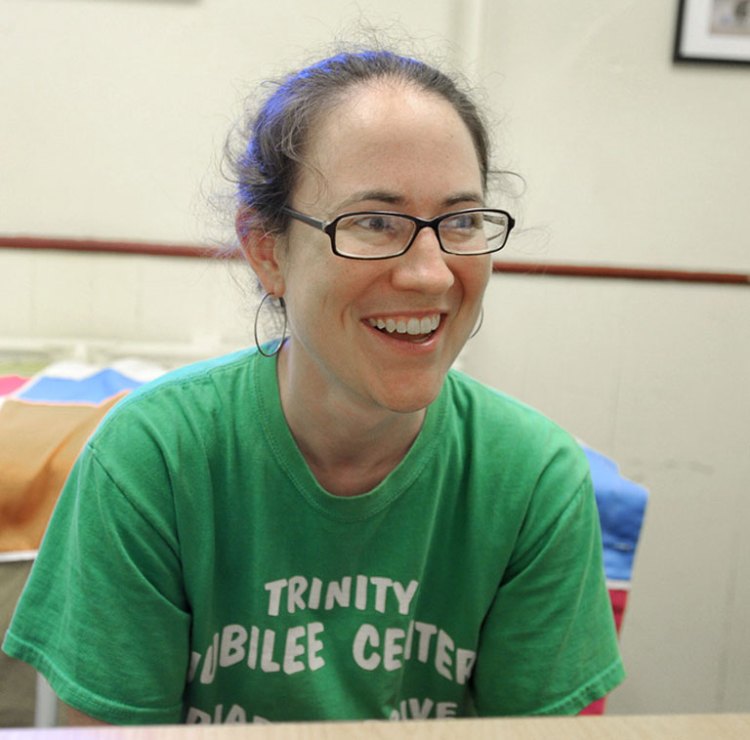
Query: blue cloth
(94, 388)
(622, 506)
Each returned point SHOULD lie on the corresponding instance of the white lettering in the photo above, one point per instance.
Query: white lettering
(446, 709)
(443, 659)
(233, 639)
(293, 650)
(252, 648)
(392, 648)
(426, 633)
(360, 598)
(267, 663)
(339, 593)
(195, 659)
(275, 588)
(297, 587)
(366, 633)
(314, 646)
(195, 716)
(420, 711)
(236, 715)
(465, 660)
(423, 709)
(313, 600)
(404, 595)
(409, 640)
(259, 650)
(369, 591)
(209, 664)
(381, 592)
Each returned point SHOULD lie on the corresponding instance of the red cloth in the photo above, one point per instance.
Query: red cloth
(10, 383)
(619, 599)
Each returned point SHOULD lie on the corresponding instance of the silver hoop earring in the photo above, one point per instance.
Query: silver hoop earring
(280, 343)
(479, 323)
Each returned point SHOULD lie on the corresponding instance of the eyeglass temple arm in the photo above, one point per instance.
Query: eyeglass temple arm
(304, 218)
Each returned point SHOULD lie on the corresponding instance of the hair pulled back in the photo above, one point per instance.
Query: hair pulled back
(266, 170)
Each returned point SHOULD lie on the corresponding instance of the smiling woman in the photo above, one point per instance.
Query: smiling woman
(378, 143)
(337, 526)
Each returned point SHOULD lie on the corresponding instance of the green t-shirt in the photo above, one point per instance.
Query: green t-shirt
(194, 570)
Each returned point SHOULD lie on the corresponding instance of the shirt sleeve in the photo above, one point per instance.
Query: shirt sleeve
(104, 616)
(548, 644)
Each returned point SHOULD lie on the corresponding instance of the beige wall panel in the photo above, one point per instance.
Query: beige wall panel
(654, 375)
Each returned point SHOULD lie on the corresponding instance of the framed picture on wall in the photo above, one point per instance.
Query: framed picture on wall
(713, 31)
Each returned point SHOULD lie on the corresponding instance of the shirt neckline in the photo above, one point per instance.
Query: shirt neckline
(289, 458)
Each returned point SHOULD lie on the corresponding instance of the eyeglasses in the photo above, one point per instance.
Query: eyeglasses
(378, 235)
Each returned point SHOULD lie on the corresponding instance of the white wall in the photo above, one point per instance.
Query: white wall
(629, 158)
(633, 160)
(114, 113)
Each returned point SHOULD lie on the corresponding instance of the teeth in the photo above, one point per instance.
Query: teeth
(412, 326)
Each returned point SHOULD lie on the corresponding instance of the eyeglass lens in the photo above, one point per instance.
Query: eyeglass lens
(379, 234)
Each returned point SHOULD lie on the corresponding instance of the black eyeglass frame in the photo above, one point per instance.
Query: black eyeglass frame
(329, 227)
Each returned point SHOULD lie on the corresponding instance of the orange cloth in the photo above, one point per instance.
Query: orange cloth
(39, 443)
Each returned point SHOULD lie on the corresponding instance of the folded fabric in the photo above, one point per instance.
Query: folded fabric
(622, 506)
(38, 445)
(71, 382)
(44, 424)
(93, 389)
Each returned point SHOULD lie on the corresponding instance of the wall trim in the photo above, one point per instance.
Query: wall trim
(529, 269)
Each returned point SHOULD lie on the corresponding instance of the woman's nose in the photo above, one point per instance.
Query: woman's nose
(424, 266)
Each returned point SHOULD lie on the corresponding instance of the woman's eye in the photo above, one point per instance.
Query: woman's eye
(375, 223)
(463, 222)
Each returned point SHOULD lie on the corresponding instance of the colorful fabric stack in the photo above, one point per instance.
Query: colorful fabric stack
(622, 506)
(44, 422)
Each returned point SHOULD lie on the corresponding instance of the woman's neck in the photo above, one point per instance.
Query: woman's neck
(349, 446)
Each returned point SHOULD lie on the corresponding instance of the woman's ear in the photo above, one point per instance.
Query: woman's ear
(261, 248)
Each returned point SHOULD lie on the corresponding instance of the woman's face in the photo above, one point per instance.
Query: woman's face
(386, 147)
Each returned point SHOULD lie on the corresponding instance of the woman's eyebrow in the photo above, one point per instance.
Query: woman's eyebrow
(385, 196)
(469, 196)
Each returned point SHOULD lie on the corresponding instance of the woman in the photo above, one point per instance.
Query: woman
(338, 526)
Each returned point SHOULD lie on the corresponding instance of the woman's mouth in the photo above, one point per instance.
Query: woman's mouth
(407, 328)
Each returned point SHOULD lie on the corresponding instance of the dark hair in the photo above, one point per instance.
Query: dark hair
(266, 170)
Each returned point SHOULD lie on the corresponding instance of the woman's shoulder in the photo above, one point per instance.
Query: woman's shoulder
(218, 370)
(499, 422)
(185, 395)
(475, 397)
(195, 378)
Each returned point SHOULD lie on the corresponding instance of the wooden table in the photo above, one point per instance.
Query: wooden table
(672, 727)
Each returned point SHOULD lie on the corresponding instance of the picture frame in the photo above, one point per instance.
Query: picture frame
(713, 32)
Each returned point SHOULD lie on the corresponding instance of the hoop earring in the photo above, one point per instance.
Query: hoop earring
(280, 344)
(479, 323)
